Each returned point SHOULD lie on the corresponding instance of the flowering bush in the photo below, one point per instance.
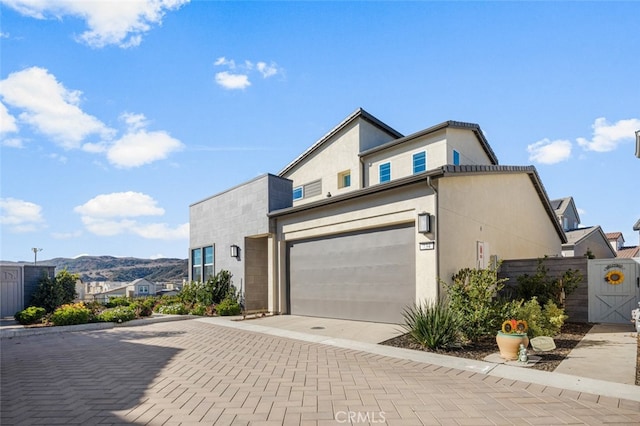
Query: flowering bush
(117, 314)
(514, 326)
(71, 314)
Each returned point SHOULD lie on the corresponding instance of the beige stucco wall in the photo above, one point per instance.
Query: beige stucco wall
(339, 154)
(468, 145)
(370, 212)
(439, 148)
(502, 210)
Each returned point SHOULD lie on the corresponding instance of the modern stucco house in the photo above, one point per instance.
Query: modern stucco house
(581, 240)
(366, 221)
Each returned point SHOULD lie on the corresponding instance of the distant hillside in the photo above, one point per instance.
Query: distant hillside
(109, 268)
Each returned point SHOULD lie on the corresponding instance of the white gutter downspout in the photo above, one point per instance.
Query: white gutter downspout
(436, 214)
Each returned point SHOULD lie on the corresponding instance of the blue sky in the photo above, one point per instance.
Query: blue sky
(116, 116)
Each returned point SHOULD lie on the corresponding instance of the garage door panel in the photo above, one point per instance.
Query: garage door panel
(366, 276)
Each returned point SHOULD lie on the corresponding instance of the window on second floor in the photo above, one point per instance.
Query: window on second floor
(143, 289)
(385, 172)
(344, 179)
(419, 162)
(456, 158)
(298, 193)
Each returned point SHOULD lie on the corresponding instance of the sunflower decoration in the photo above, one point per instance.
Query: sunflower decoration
(514, 326)
(614, 277)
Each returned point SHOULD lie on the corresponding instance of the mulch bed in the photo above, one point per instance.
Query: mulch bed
(570, 335)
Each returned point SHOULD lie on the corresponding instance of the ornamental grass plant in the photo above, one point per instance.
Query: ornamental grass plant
(433, 325)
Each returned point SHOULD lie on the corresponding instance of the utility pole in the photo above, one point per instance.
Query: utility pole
(35, 251)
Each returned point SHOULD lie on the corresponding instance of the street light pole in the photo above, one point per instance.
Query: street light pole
(35, 251)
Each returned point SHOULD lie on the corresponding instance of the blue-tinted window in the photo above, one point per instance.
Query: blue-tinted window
(346, 180)
(196, 265)
(297, 193)
(456, 158)
(419, 162)
(208, 262)
(385, 172)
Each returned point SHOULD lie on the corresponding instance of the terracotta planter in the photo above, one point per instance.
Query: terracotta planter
(510, 343)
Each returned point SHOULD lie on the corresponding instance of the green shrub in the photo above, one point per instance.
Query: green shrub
(198, 309)
(173, 309)
(118, 301)
(53, 292)
(546, 288)
(217, 288)
(31, 315)
(472, 296)
(545, 321)
(166, 301)
(433, 325)
(117, 314)
(228, 307)
(71, 314)
(144, 307)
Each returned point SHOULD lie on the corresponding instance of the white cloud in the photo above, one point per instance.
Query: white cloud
(20, 215)
(120, 204)
(142, 147)
(239, 78)
(54, 111)
(546, 151)
(606, 136)
(7, 121)
(50, 108)
(119, 213)
(122, 24)
(230, 63)
(232, 81)
(4, 35)
(267, 70)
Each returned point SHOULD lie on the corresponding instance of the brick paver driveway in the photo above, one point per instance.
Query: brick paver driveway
(192, 372)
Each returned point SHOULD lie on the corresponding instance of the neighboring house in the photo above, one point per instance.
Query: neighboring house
(366, 221)
(142, 287)
(566, 212)
(123, 291)
(18, 282)
(589, 241)
(581, 241)
(137, 288)
(617, 243)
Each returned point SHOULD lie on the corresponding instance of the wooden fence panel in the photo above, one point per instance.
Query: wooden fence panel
(576, 303)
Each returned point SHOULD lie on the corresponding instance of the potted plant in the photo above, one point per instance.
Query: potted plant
(509, 338)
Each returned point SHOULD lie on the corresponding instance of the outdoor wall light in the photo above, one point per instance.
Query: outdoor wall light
(424, 223)
(235, 251)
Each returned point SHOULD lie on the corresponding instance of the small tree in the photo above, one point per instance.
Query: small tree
(54, 292)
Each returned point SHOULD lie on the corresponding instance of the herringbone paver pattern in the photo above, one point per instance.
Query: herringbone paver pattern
(190, 372)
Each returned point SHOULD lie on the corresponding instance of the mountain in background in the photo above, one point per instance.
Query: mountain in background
(124, 269)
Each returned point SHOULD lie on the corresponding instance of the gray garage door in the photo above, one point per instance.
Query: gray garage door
(367, 276)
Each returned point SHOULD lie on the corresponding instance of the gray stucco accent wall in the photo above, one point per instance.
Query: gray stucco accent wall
(229, 217)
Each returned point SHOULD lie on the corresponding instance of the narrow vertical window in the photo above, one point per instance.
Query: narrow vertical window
(456, 158)
(196, 265)
(419, 162)
(208, 263)
(385, 172)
